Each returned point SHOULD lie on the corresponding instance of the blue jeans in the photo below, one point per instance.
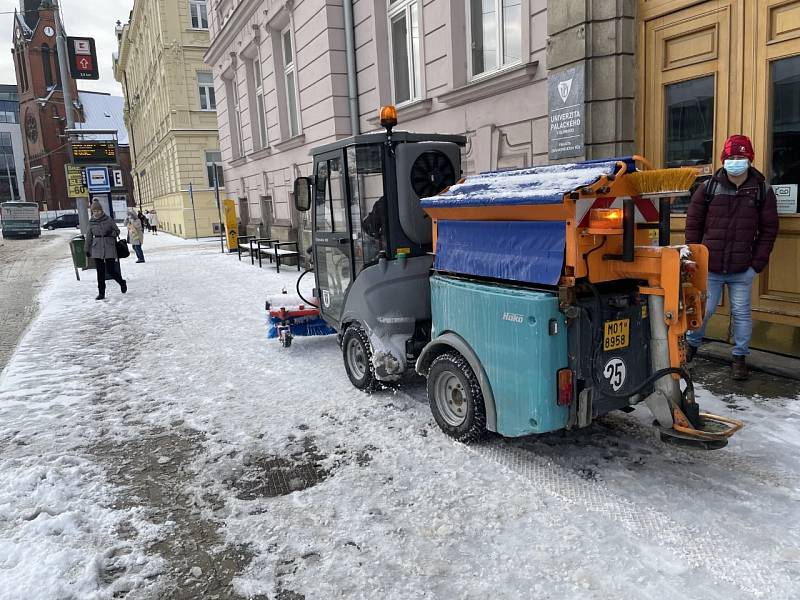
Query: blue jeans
(138, 249)
(740, 286)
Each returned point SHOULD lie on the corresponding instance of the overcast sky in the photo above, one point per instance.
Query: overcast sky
(90, 18)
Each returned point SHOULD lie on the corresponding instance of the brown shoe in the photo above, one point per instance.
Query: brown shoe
(739, 368)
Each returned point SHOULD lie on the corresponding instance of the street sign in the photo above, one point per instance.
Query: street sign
(97, 180)
(82, 58)
(76, 184)
(92, 153)
(118, 181)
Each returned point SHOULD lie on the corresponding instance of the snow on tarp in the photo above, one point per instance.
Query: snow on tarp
(537, 185)
(526, 251)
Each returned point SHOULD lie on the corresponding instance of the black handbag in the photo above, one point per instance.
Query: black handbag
(122, 248)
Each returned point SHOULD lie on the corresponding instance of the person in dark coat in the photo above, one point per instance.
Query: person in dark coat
(738, 223)
(143, 220)
(101, 245)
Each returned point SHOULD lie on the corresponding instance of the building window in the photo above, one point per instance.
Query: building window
(47, 66)
(9, 111)
(690, 122)
(9, 189)
(199, 14)
(785, 133)
(495, 34)
(290, 81)
(214, 158)
(404, 39)
(205, 88)
(260, 106)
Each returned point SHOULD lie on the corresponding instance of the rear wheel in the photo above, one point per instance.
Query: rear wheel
(357, 354)
(455, 398)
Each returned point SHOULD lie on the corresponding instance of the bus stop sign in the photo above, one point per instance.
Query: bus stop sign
(82, 58)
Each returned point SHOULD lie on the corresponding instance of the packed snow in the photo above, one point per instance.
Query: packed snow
(155, 441)
(535, 185)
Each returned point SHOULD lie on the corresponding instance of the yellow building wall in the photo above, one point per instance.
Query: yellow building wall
(171, 133)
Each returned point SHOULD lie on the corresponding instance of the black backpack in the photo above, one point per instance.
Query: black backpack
(711, 189)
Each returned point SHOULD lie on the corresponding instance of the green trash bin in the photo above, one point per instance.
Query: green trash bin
(77, 248)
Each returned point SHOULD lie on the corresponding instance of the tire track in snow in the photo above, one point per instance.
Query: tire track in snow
(722, 558)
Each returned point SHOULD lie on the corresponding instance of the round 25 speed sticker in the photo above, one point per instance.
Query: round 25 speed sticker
(615, 372)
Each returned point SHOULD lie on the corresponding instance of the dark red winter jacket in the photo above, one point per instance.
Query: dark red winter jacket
(737, 232)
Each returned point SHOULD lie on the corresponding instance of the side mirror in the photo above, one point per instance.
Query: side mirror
(302, 193)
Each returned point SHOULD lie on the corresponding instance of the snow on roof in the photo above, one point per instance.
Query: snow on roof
(102, 111)
(537, 185)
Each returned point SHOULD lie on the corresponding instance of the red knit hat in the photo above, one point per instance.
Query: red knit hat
(738, 145)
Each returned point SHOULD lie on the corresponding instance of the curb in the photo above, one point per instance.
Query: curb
(767, 362)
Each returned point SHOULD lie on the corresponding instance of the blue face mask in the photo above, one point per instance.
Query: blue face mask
(736, 166)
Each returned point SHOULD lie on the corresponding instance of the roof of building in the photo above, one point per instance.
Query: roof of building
(103, 111)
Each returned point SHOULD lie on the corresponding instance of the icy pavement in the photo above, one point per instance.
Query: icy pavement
(157, 445)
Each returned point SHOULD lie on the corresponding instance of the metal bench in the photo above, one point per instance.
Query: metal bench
(241, 240)
(278, 252)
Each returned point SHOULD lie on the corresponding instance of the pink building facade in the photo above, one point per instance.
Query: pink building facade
(281, 81)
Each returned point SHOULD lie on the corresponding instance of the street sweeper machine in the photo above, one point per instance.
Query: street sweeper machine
(532, 300)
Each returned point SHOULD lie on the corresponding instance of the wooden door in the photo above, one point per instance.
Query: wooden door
(775, 77)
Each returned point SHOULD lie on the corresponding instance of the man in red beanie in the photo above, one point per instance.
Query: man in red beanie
(735, 215)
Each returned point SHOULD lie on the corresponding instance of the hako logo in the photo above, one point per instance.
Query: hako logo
(513, 317)
(564, 88)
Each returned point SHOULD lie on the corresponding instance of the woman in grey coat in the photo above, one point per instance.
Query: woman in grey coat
(101, 239)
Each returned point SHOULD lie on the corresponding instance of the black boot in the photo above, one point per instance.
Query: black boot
(739, 370)
(100, 297)
(123, 286)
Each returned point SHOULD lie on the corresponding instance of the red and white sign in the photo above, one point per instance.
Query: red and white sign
(646, 209)
(84, 63)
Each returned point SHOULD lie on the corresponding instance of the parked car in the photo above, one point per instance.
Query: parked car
(62, 221)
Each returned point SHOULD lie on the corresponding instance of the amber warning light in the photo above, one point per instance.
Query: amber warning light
(605, 218)
(388, 117)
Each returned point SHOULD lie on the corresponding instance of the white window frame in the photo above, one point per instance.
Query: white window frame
(500, 51)
(289, 68)
(198, 10)
(206, 93)
(411, 11)
(237, 117)
(260, 104)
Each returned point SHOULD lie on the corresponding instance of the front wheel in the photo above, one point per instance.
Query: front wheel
(357, 354)
(456, 399)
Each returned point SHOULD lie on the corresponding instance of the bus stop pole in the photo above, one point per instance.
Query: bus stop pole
(81, 204)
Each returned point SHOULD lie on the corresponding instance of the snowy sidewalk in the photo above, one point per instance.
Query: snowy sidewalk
(157, 445)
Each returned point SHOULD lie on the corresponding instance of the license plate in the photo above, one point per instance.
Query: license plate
(616, 334)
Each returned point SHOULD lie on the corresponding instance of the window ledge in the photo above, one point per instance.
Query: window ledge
(408, 111)
(261, 153)
(291, 143)
(491, 85)
(237, 162)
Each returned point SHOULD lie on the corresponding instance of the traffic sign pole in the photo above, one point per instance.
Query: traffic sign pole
(81, 204)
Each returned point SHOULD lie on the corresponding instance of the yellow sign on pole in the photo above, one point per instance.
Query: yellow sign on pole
(231, 224)
(75, 186)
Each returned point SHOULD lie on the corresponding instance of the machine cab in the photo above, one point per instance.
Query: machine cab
(364, 197)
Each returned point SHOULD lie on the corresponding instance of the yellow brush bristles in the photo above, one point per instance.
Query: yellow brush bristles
(658, 181)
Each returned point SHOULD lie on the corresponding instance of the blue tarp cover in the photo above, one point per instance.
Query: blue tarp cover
(537, 185)
(526, 251)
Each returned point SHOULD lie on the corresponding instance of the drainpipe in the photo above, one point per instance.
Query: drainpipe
(350, 52)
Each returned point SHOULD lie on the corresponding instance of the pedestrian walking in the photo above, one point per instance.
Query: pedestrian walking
(735, 215)
(135, 234)
(154, 222)
(101, 245)
(143, 220)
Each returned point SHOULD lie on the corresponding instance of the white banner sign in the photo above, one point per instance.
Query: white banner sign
(786, 195)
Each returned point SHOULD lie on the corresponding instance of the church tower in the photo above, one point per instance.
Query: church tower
(41, 101)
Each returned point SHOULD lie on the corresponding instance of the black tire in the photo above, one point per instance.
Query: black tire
(357, 355)
(461, 414)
